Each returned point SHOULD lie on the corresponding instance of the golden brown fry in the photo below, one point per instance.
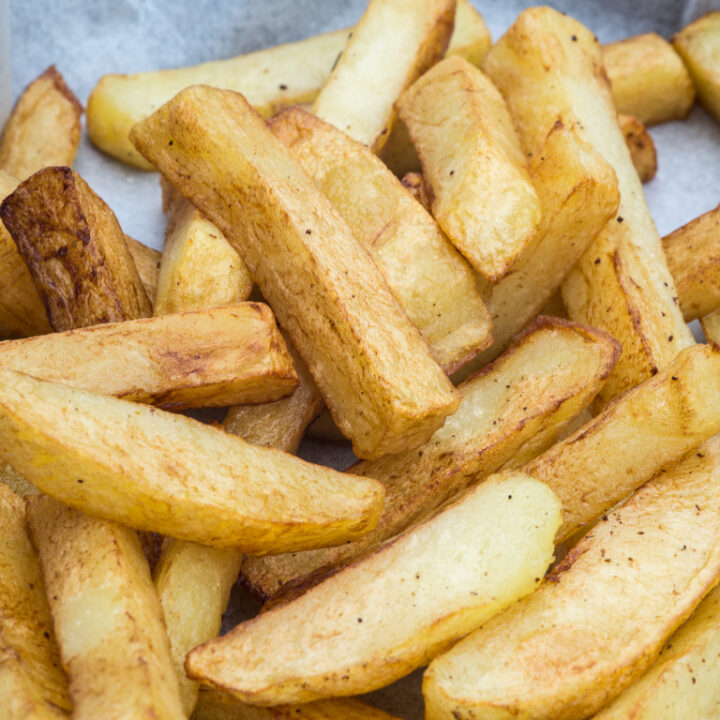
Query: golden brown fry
(147, 262)
(470, 38)
(649, 80)
(33, 686)
(475, 171)
(641, 146)
(107, 617)
(711, 327)
(43, 129)
(213, 358)
(75, 250)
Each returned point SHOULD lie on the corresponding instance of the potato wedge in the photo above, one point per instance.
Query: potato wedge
(514, 408)
(641, 146)
(32, 682)
(697, 46)
(711, 327)
(473, 166)
(649, 80)
(337, 639)
(372, 367)
(430, 280)
(685, 679)
(75, 250)
(693, 256)
(621, 285)
(147, 262)
(43, 129)
(107, 617)
(666, 416)
(213, 358)
(470, 37)
(74, 447)
(17, 483)
(394, 43)
(603, 615)
(414, 183)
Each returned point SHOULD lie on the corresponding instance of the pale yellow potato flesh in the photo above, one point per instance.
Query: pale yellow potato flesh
(603, 615)
(210, 358)
(649, 80)
(548, 63)
(641, 147)
(33, 685)
(643, 432)
(474, 167)
(392, 45)
(511, 411)
(372, 367)
(428, 277)
(684, 681)
(182, 478)
(43, 129)
(107, 617)
(357, 631)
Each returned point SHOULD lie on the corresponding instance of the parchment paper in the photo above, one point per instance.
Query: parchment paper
(88, 39)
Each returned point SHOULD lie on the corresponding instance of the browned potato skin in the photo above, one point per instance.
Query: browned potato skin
(43, 129)
(649, 80)
(75, 250)
(693, 256)
(511, 411)
(213, 358)
(33, 685)
(666, 416)
(641, 146)
(372, 367)
(107, 616)
(147, 262)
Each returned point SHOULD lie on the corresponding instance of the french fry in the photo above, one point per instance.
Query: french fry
(372, 367)
(337, 639)
(147, 262)
(400, 236)
(43, 129)
(473, 166)
(72, 444)
(414, 183)
(711, 327)
(470, 38)
(75, 250)
(513, 409)
(693, 256)
(603, 615)
(649, 80)
(641, 147)
(18, 484)
(107, 617)
(32, 682)
(213, 358)
(621, 285)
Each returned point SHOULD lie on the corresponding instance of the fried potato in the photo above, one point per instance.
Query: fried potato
(182, 479)
(621, 285)
(356, 631)
(473, 166)
(414, 183)
(514, 408)
(17, 483)
(647, 429)
(649, 80)
(107, 617)
(693, 256)
(683, 682)
(427, 276)
(603, 615)
(75, 250)
(711, 327)
(147, 262)
(213, 358)
(394, 43)
(43, 129)
(697, 46)
(33, 685)
(470, 38)
(641, 146)
(372, 367)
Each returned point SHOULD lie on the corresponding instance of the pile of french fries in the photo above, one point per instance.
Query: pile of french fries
(403, 235)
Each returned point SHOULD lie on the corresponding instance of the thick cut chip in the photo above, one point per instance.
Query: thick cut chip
(33, 686)
(147, 262)
(641, 147)
(214, 358)
(157, 471)
(711, 327)
(389, 613)
(431, 281)
(108, 621)
(602, 616)
(394, 43)
(548, 63)
(371, 365)
(475, 170)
